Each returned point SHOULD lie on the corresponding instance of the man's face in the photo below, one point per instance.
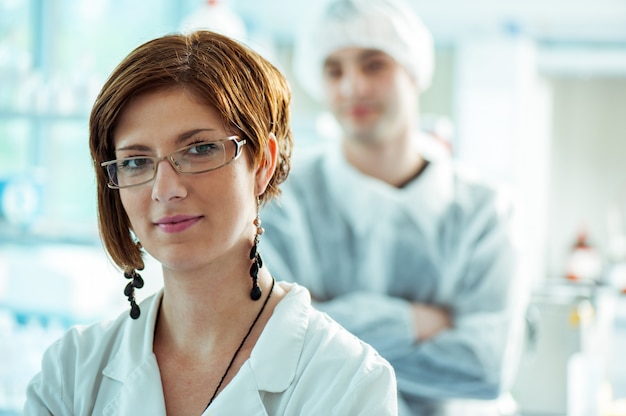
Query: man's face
(370, 93)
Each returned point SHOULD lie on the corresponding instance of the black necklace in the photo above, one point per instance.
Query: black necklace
(243, 341)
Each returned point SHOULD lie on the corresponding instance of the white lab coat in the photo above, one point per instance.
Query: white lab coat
(366, 250)
(303, 364)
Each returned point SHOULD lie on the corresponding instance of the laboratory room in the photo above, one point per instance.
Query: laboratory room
(456, 195)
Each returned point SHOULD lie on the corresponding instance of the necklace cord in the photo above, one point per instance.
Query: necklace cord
(243, 341)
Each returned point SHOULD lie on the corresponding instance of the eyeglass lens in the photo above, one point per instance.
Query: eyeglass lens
(196, 158)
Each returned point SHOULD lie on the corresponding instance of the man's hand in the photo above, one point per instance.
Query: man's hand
(430, 320)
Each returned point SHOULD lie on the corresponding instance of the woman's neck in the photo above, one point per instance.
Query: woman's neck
(198, 314)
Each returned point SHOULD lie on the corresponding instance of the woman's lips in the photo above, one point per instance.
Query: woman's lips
(177, 223)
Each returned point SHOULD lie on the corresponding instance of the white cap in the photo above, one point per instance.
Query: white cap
(391, 26)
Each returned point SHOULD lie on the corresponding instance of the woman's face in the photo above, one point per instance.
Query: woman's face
(185, 221)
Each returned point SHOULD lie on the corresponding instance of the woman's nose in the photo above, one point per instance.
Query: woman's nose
(168, 183)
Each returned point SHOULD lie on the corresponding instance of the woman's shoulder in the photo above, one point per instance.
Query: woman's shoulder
(325, 341)
(329, 341)
(327, 369)
(75, 366)
(87, 348)
(82, 344)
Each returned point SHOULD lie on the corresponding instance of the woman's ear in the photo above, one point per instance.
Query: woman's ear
(266, 169)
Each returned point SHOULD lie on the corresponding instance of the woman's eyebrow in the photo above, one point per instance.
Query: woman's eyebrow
(184, 136)
(179, 140)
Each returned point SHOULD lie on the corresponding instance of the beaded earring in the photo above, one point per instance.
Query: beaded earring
(129, 291)
(257, 262)
(137, 282)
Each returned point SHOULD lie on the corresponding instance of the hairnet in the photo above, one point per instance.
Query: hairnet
(387, 25)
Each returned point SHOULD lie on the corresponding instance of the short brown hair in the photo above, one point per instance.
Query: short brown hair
(249, 93)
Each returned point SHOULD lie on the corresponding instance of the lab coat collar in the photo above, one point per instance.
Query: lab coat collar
(424, 199)
(240, 397)
(273, 363)
(279, 346)
(134, 365)
(271, 368)
(274, 360)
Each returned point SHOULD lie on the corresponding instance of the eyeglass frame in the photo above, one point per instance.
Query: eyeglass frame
(239, 142)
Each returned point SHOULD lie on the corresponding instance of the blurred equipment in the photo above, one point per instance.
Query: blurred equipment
(565, 370)
(215, 15)
(218, 16)
(584, 262)
(616, 267)
(20, 200)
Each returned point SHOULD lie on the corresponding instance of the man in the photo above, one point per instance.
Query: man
(391, 239)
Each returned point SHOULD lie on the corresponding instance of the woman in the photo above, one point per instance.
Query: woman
(188, 136)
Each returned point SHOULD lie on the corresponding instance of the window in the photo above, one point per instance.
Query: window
(54, 57)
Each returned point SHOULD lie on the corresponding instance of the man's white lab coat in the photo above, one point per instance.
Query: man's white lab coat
(366, 250)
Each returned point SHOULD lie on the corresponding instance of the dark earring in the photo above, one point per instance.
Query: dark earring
(257, 262)
(129, 291)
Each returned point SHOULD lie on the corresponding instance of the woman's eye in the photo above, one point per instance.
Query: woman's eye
(203, 149)
(136, 163)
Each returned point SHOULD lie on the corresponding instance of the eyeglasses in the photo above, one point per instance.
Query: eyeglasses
(198, 157)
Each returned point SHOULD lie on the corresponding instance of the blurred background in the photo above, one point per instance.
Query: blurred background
(530, 94)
